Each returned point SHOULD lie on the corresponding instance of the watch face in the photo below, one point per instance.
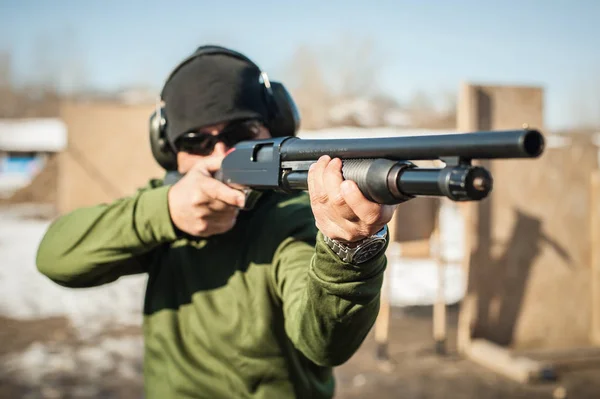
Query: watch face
(368, 251)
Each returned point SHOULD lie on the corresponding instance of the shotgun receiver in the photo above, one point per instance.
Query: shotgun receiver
(382, 167)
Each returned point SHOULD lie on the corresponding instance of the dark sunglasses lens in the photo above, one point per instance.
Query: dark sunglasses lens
(203, 144)
(235, 133)
(199, 145)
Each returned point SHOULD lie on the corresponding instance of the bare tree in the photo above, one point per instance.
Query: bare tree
(7, 95)
(354, 67)
(46, 57)
(339, 84)
(432, 111)
(309, 87)
(72, 70)
(331, 75)
(585, 104)
(38, 96)
(5, 69)
(420, 108)
(448, 110)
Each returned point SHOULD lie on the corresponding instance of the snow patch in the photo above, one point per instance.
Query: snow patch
(27, 294)
(33, 135)
(46, 365)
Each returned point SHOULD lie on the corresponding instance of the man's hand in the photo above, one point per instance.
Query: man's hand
(341, 211)
(201, 205)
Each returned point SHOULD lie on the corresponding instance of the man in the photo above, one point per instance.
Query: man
(239, 303)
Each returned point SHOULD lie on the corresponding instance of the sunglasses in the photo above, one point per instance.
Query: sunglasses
(199, 143)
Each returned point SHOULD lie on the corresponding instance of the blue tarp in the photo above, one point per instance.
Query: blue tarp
(19, 165)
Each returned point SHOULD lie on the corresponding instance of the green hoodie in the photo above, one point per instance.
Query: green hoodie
(265, 310)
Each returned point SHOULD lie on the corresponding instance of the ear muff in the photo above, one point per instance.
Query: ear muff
(283, 119)
(161, 148)
(286, 121)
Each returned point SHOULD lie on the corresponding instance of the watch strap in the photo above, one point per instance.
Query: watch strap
(338, 248)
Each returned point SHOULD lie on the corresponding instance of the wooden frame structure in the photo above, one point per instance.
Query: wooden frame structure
(532, 307)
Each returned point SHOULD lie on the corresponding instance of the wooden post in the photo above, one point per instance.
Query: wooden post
(382, 324)
(468, 303)
(439, 307)
(595, 255)
(499, 359)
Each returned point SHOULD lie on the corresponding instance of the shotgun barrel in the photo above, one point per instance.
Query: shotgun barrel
(524, 143)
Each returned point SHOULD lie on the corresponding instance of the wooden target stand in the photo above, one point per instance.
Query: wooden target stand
(488, 354)
(544, 364)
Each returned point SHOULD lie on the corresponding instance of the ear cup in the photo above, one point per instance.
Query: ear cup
(161, 149)
(286, 120)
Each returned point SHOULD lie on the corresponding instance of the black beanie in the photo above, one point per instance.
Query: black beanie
(212, 89)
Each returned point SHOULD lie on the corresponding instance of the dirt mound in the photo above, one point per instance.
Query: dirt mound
(43, 189)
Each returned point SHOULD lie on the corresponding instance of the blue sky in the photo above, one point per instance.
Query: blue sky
(421, 45)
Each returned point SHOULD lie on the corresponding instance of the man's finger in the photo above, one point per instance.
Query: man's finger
(216, 190)
(226, 213)
(332, 180)
(315, 174)
(344, 230)
(369, 212)
(219, 206)
(210, 164)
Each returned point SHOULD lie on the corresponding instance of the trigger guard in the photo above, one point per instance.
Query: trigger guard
(252, 197)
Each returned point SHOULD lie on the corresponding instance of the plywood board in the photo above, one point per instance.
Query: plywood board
(108, 154)
(528, 248)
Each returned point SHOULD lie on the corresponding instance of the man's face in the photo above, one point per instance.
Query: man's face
(196, 146)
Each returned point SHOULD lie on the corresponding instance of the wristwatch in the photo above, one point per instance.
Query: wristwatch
(361, 251)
